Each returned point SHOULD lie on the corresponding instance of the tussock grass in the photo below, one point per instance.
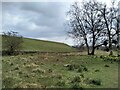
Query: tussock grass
(42, 70)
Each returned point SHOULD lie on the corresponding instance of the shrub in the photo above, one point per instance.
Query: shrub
(11, 42)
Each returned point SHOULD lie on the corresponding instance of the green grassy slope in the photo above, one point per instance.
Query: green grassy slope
(45, 46)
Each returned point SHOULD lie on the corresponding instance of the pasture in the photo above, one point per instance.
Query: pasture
(60, 70)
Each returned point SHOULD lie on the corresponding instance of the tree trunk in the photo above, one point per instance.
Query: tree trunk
(93, 51)
(110, 41)
(93, 43)
(87, 46)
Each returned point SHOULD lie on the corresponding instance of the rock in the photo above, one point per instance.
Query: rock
(67, 65)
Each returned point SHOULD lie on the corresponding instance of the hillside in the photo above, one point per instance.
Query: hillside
(49, 46)
(45, 46)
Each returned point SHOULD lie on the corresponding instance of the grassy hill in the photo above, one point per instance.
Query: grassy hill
(45, 46)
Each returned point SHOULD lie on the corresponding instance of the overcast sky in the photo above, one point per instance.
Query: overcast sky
(39, 20)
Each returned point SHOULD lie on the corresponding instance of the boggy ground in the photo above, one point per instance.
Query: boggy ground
(59, 71)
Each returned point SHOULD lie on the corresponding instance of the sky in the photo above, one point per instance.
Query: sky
(42, 20)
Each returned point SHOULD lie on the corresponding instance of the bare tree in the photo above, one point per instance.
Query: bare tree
(86, 24)
(116, 25)
(111, 22)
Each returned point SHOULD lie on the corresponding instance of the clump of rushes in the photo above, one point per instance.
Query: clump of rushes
(82, 75)
(76, 79)
(76, 86)
(50, 70)
(82, 68)
(95, 81)
(97, 70)
(106, 65)
(60, 83)
(71, 67)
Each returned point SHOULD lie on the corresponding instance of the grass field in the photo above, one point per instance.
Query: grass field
(61, 70)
